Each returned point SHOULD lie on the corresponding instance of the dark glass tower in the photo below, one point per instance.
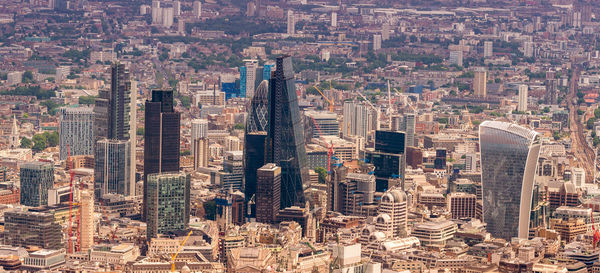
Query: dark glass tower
(388, 157)
(285, 136)
(161, 136)
(113, 106)
(255, 140)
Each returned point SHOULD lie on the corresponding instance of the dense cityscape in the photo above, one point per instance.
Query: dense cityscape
(341, 136)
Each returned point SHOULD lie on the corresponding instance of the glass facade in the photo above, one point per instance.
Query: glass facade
(76, 131)
(168, 203)
(36, 178)
(509, 156)
(111, 171)
(388, 158)
(285, 137)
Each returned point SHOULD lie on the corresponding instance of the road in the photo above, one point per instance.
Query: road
(583, 153)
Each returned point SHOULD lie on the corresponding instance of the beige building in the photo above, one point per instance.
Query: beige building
(434, 233)
(201, 153)
(249, 259)
(462, 205)
(480, 83)
(87, 220)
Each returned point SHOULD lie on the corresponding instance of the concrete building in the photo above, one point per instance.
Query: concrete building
(488, 49)
(44, 259)
(376, 42)
(29, 228)
(201, 153)
(578, 177)
(76, 131)
(462, 205)
(197, 9)
(291, 23)
(199, 130)
(456, 57)
(392, 215)
(232, 175)
(522, 107)
(480, 82)
(434, 233)
(86, 211)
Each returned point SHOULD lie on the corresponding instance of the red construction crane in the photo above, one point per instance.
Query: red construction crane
(596, 233)
(72, 175)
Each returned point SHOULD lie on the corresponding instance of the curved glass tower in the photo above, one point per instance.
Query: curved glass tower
(509, 156)
(255, 139)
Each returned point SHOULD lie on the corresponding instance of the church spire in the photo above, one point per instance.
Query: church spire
(14, 134)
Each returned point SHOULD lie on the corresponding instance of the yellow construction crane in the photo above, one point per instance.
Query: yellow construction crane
(174, 255)
(330, 101)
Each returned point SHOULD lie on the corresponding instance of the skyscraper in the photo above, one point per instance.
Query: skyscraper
(200, 153)
(115, 117)
(199, 130)
(32, 228)
(523, 88)
(111, 171)
(408, 126)
(168, 203)
(488, 49)
(480, 83)
(255, 138)
(161, 136)
(76, 131)
(388, 157)
(392, 213)
(248, 78)
(267, 193)
(285, 136)
(291, 22)
(509, 156)
(36, 178)
(233, 171)
(86, 227)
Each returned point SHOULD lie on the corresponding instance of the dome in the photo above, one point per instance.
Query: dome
(377, 236)
(394, 196)
(185, 269)
(383, 218)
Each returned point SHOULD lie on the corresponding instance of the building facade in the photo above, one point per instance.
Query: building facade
(268, 192)
(36, 179)
(111, 171)
(168, 203)
(76, 131)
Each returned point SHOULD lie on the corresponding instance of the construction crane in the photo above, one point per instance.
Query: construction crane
(71, 175)
(596, 237)
(378, 125)
(174, 255)
(330, 101)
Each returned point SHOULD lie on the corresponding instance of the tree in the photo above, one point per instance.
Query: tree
(140, 131)
(322, 174)
(239, 126)
(26, 143)
(27, 77)
(186, 101)
(40, 143)
(210, 209)
(88, 100)
(51, 138)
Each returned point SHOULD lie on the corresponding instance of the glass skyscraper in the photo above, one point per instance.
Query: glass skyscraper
(509, 156)
(76, 131)
(255, 138)
(161, 136)
(111, 171)
(168, 203)
(388, 157)
(285, 135)
(36, 178)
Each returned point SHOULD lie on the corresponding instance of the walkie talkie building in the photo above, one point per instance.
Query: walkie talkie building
(509, 156)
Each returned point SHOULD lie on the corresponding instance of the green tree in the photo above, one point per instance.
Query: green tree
(27, 77)
(40, 143)
(140, 131)
(210, 209)
(89, 100)
(51, 138)
(26, 143)
(186, 101)
(322, 174)
(239, 126)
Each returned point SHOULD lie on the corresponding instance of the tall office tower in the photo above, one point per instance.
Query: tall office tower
(439, 162)
(528, 49)
(255, 138)
(115, 116)
(461, 205)
(167, 17)
(358, 120)
(456, 57)
(376, 42)
(488, 49)
(161, 136)
(551, 84)
(197, 9)
(32, 228)
(112, 168)
(36, 179)
(232, 175)
(480, 82)
(408, 126)
(201, 153)
(15, 140)
(248, 78)
(333, 19)
(176, 8)
(393, 214)
(523, 88)
(267, 68)
(291, 23)
(86, 227)
(268, 191)
(285, 138)
(76, 131)
(156, 12)
(509, 156)
(199, 130)
(353, 192)
(168, 203)
(385, 32)
(388, 157)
